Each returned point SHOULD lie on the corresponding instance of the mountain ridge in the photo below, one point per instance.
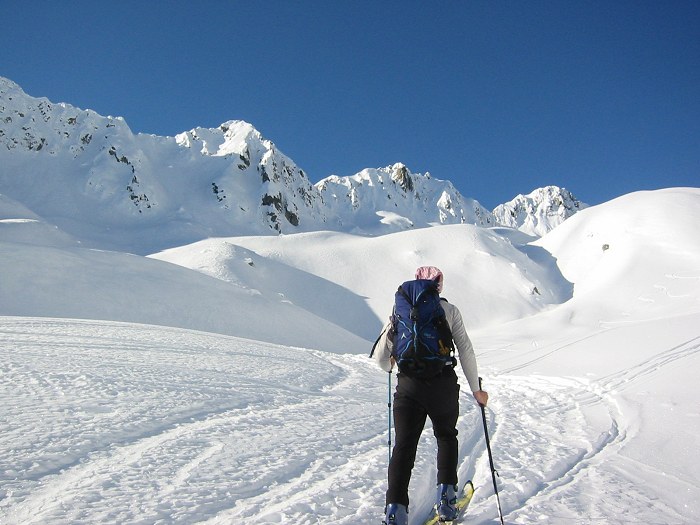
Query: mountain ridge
(97, 180)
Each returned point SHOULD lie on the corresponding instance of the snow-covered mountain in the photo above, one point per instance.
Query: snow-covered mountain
(95, 179)
(540, 211)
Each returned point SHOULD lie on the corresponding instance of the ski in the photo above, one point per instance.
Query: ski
(462, 504)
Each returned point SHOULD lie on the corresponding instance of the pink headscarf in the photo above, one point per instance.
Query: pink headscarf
(432, 273)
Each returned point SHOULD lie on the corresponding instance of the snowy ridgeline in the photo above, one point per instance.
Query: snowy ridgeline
(587, 339)
(113, 189)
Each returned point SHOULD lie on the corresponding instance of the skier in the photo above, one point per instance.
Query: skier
(437, 398)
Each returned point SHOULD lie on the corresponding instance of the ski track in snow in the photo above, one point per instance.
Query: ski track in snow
(649, 366)
(116, 423)
(575, 466)
(168, 426)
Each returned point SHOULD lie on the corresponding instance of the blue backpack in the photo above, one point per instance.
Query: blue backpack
(423, 344)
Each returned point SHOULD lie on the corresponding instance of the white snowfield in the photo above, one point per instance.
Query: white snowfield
(119, 405)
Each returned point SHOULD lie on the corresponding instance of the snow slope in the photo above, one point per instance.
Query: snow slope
(373, 267)
(593, 412)
(44, 272)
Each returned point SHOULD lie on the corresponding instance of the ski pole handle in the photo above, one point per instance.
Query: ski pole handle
(481, 396)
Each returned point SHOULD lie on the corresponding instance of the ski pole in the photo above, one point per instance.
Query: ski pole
(389, 405)
(494, 473)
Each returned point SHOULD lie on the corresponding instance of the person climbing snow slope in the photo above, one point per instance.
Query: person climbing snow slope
(425, 392)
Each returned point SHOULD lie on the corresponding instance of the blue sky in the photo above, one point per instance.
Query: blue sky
(500, 98)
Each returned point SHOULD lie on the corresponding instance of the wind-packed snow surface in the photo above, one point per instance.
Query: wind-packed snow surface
(228, 381)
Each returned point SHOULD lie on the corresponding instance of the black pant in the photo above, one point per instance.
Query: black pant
(414, 399)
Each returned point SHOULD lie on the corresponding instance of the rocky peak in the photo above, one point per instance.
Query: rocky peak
(402, 177)
(540, 211)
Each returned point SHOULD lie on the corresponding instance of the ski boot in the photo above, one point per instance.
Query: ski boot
(396, 514)
(446, 501)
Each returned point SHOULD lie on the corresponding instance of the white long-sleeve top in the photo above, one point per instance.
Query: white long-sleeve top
(463, 346)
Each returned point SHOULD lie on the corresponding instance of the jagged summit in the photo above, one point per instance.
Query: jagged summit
(232, 137)
(95, 179)
(401, 199)
(540, 211)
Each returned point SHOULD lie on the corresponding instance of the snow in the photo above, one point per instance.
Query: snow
(227, 380)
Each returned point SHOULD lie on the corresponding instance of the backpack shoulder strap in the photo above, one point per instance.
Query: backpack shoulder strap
(405, 295)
